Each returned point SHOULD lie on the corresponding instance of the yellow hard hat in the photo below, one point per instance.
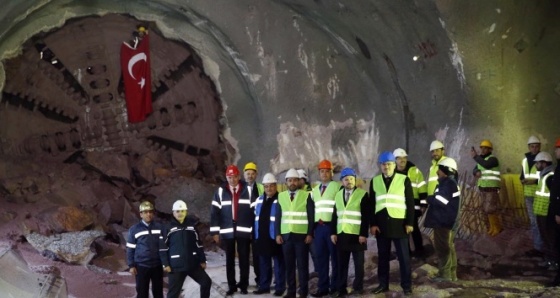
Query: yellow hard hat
(486, 143)
(250, 166)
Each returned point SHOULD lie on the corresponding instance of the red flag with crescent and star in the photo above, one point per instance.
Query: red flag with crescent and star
(135, 66)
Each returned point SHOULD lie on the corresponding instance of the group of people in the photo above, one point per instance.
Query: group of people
(541, 188)
(175, 248)
(332, 222)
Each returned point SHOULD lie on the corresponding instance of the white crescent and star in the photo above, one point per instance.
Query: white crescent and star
(135, 59)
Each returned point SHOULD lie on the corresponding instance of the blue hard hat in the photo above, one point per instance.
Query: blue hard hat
(347, 172)
(386, 156)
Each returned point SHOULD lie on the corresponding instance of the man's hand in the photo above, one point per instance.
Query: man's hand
(473, 152)
(374, 230)
(362, 239)
(167, 269)
(478, 174)
(216, 239)
(279, 239)
(333, 239)
(133, 271)
(203, 265)
(528, 181)
(308, 239)
(409, 229)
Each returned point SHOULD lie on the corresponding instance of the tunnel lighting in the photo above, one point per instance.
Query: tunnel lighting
(415, 58)
(54, 61)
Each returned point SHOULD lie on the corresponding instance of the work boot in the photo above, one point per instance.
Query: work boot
(490, 225)
(496, 224)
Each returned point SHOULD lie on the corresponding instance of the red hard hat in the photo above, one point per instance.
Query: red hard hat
(325, 164)
(232, 170)
(557, 144)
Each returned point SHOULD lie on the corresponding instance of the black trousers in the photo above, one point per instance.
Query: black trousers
(384, 250)
(416, 234)
(256, 262)
(296, 252)
(144, 276)
(557, 247)
(243, 250)
(177, 279)
(343, 258)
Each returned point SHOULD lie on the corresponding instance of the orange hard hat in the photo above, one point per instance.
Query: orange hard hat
(325, 164)
(557, 144)
(232, 170)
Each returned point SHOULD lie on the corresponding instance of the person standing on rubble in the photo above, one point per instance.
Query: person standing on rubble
(142, 253)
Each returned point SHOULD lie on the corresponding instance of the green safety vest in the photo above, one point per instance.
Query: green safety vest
(324, 204)
(349, 216)
(489, 177)
(417, 181)
(294, 213)
(393, 199)
(433, 177)
(260, 187)
(532, 173)
(542, 197)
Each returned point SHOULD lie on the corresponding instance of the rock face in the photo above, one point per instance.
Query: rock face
(73, 247)
(70, 219)
(196, 193)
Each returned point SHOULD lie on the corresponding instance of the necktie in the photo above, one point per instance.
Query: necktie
(235, 203)
(347, 197)
(323, 187)
(291, 196)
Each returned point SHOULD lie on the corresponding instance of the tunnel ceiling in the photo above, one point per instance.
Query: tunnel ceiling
(64, 93)
(294, 82)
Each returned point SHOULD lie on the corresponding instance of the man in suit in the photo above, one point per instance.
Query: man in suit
(392, 221)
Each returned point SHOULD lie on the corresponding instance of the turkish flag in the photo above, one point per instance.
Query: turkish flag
(135, 66)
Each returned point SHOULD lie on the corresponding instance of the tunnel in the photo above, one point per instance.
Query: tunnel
(283, 84)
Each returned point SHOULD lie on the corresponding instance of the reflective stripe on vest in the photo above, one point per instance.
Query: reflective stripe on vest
(294, 213)
(542, 197)
(349, 216)
(417, 182)
(433, 177)
(489, 177)
(324, 204)
(532, 173)
(393, 199)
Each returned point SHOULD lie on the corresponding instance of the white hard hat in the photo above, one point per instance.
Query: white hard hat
(543, 156)
(399, 152)
(292, 173)
(436, 145)
(269, 178)
(533, 140)
(448, 162)
(179, 205)
(302, 174)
